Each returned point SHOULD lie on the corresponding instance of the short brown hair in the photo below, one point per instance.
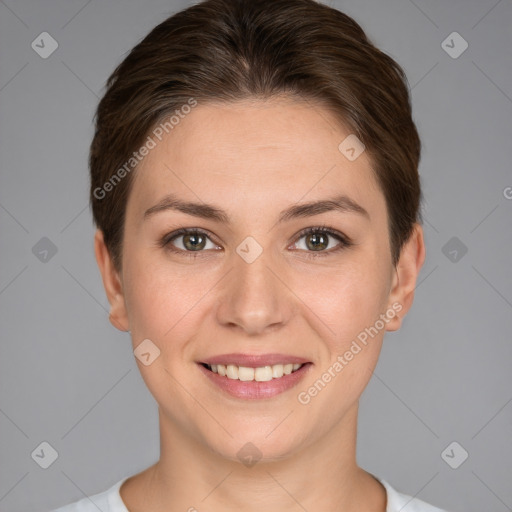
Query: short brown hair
(228, 50)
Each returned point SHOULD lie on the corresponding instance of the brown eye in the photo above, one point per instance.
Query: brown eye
(322, 241)
(187, 241)
(194, 242)
(317, 241)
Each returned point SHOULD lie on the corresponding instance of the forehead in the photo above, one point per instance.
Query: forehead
(279, 150)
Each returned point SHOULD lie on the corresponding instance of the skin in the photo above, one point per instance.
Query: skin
(253, 159)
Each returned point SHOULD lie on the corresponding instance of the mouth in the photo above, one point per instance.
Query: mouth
(254, 382)
(257, 374)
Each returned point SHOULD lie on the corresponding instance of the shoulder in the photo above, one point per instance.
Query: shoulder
(398, 502)
(106, 501)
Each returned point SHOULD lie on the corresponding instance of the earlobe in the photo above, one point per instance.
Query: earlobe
(112, 283)
(405, 277)
(118, 325)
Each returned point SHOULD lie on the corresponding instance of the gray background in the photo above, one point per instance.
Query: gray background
(69, 378)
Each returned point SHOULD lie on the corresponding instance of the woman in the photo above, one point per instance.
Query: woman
(254, 181)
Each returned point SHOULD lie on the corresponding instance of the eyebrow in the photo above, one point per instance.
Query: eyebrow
(341, 203)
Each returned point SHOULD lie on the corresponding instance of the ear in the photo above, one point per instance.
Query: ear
(406, 273)
(112, 283)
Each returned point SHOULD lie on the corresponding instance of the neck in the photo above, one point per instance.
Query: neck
(190, 476)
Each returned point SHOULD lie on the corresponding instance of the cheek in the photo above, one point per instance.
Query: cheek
(348, 300)
(156, 298)
(167, 303)
(161, 308)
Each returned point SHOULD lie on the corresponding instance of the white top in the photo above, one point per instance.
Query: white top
(110, 501)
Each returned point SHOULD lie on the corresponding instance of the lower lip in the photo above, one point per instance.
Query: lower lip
(253, 389)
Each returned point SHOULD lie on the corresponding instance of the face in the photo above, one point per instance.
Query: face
(258, 273)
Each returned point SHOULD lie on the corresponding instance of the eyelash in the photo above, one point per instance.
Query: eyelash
(345, 242)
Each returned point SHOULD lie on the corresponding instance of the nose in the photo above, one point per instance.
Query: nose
(254, 297)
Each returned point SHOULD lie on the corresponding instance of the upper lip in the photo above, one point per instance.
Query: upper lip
(254, 360)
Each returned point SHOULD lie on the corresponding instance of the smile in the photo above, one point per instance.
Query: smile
(259, 374)
(245, 382)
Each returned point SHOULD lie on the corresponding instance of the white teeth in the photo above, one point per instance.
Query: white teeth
(260, 374)
(232, 371)
(263, 374)
(245, 373)
(277, 371)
